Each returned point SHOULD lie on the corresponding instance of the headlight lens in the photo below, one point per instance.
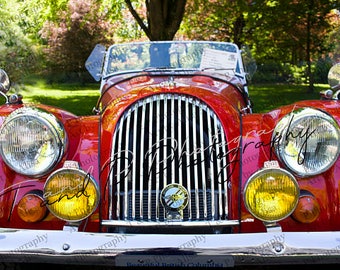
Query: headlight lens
(32, 141)
(71, 194)
(271, 194)
(307, 141)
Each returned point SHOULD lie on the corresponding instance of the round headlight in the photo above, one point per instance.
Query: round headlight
(307, 141)
(32, 141)
(271, 194)
(71, 194)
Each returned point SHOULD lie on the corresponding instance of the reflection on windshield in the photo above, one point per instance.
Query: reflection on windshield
(183, 55)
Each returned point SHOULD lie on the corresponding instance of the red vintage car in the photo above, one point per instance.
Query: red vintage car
(172, 169)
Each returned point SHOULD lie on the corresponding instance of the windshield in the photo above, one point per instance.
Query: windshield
(198, 55)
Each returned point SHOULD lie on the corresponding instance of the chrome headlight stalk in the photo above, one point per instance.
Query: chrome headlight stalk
(32, 141)
(307, 141)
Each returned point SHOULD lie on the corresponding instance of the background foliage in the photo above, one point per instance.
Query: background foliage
(291, 41)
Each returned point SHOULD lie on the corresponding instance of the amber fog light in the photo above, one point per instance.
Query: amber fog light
(71, 194)
(31, 208)
(271, 194)
(307, 209)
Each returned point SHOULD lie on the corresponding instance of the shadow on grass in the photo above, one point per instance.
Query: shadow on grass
(78, 105)
(73, 86)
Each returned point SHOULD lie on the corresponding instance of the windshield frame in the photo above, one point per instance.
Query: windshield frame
(177, 49)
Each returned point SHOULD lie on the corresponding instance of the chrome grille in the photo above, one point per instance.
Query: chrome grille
(166, 139)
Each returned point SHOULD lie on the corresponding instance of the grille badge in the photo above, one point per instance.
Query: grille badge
(174, 198)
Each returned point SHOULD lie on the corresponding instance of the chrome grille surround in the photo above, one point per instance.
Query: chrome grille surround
(164, 139)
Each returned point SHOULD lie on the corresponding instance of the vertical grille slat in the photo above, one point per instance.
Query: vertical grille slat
(211, 167)
(141, 156)
(179, 128)
(126, 164)
(157, 154)
(187, 149)
(165, 135)
(166, 139)
(149, 154)
(134, 162)
(202, 152)
(195, 161)
(172, 137)
(118, 160)
(225, 174)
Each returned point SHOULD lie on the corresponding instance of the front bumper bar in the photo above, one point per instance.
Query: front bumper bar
(206, 250)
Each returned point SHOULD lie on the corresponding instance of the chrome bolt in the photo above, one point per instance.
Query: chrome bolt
(278, 247)
(66, 247)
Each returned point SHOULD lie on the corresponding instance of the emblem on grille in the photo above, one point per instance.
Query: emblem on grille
(174, 197)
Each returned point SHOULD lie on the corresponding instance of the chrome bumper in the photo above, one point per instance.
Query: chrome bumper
(67, 247)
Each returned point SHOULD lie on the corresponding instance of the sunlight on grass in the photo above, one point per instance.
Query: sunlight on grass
(74, 98)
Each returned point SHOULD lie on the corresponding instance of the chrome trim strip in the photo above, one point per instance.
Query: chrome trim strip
(81, 248)
(169, 223)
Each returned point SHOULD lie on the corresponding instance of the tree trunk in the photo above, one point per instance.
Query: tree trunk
(308, 52)
(164, 17)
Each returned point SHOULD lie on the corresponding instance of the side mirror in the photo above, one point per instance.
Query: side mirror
(5, 83)
(334, 77)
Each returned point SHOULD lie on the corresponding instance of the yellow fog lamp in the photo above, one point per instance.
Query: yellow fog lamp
(271, 194)
(71, 194)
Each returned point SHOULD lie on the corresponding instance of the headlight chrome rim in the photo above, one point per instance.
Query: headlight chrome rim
(298, 143)
(258, 205)
(33, 141)
(67, 187)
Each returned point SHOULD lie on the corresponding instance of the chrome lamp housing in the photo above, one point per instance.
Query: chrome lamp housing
(32, 141)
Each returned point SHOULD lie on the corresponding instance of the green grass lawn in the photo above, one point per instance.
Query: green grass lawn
(81, 99)
(75, 98)
(270, 96)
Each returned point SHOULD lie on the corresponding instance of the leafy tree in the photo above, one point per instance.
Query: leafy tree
(334, 37)
(162, 19)
(17, 55)
(291, 31)
(283, 32)
(216, 20)
(73, 33)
